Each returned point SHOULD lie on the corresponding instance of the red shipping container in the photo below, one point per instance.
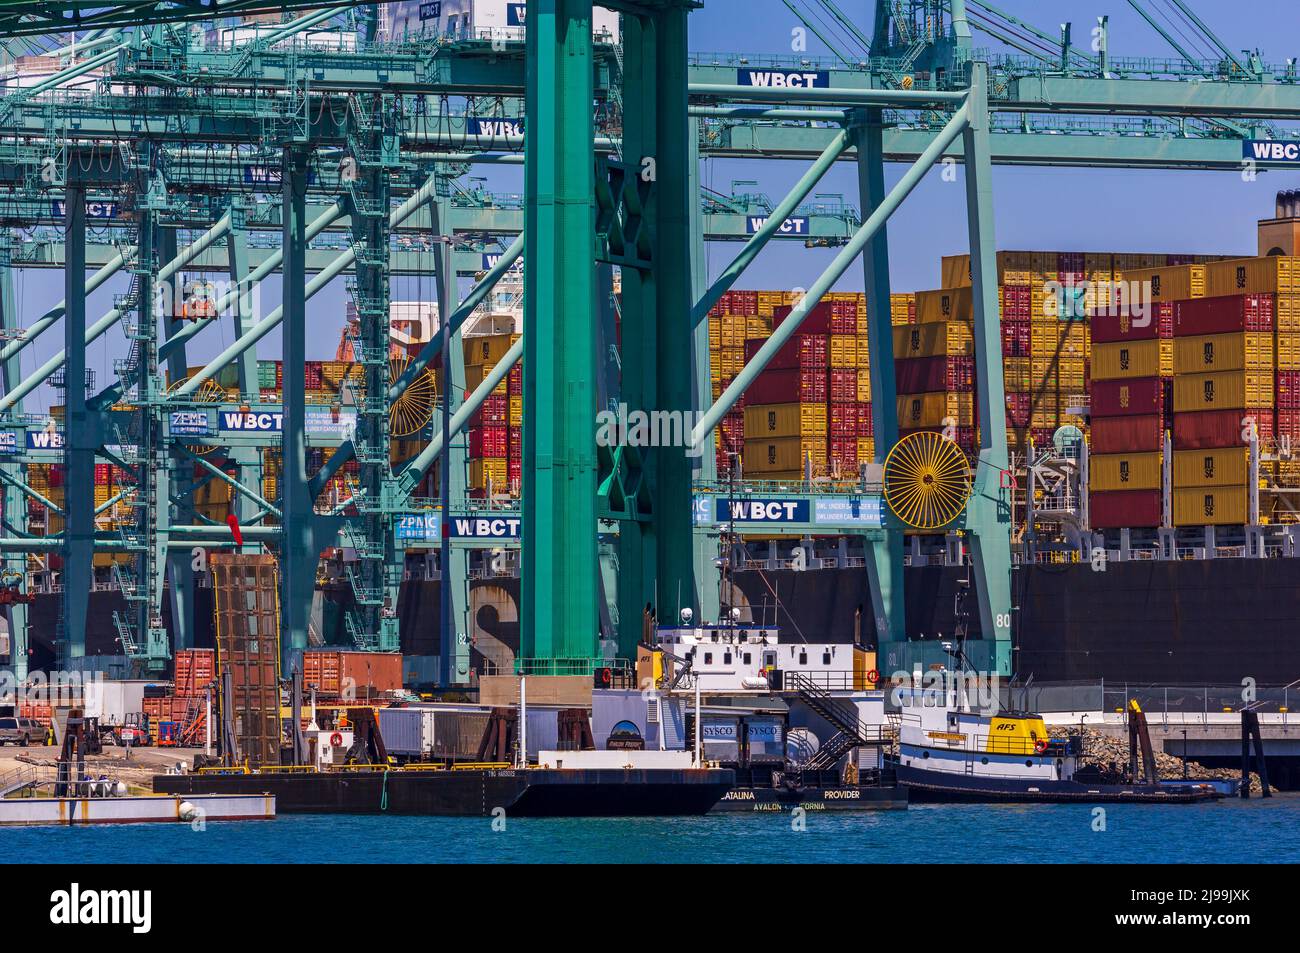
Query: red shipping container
(1127, 434)
(1117, 508)
(1139, 396)
(514, 471)
(1213, 429)
(866, 422)
(802, 350)
(102, 473)
(843, 386)
(1016, 303)
(1164, 311)
(312, 374)
(1288, 390)
(491, 441)
(516, 443)
(844, 317)
(1288, 423)
(336, 673)
(789, 386)
(843, 420)
(1223, 315)
(844, 451)
(1016, 338)
(1019, 410)
(1124, 327)
(195, 669)
(818, 320)
(494, 412)
(923, 375)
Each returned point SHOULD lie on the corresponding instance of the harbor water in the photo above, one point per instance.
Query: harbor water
(1230, 831)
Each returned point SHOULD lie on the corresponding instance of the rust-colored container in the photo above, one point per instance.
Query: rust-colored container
(802, 350)
(921, 375)
(1109, 328)
(1210, 429)
(1127, 434)
(1119, 508)
(368, 674)
(818, 321)
(1223, 315)
(1141, 396)
(195, 670)
(789, 386)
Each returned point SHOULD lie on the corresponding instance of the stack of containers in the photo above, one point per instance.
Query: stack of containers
(1223, 388)
(849, 383)
(1277, 277)
(902, 309)
(738, 317)
(195, 671)
(934, 368)
(489, 433)
(1017, 361)
(1129, 413)
(1064, 284)
(786, 410)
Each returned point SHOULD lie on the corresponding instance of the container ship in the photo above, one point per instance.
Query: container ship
(1153, 404)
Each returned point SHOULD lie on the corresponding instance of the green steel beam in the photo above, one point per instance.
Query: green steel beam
(784, 209)
(14, 509)
(558, 604)
(884, 557)
(875, 221)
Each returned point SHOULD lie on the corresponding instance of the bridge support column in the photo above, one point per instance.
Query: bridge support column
(884, 556)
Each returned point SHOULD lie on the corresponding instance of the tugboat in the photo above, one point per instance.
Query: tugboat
(951, 749)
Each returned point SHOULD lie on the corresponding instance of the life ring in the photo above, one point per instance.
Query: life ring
(336, 740)
(1040, 746)
(873, 676)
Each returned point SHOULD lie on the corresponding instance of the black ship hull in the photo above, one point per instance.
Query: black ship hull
(939, 787)
(839, 798)
(542, 792)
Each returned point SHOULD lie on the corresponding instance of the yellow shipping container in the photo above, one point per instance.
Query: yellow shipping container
(783, 454)
(487, 348)
(1124, 471)
(866, 449)
(944, 304)
(864, 385)
(1279, 274)
(1287, 354)
(936, 409)
(1223, 352)
(901, 309)
(1222, 390)
(844, 350)
(1172, 283)
(483, 469)
(1124, 359)
(785, 420)
(937, 339)
(864, 351)
(1286, 313)
(516, 411)
(1062, 338)
(476, 373)
(1210, 506)
(1016, 373)
(1226, 467)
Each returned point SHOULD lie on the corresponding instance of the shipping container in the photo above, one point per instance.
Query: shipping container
(939, 339)
(817, 321)
(1220, 428)
(789, 386)
(1126, 434)
(1223, 315)
(1110, 328)
(1123, 359)
(1223, 390)
(1117, 509)
(785, 420)
(1141, 396)
(918, 375)
(362, 675)
(1224, 467)
(1278, 274)
(1169, 283)
(945, 304)
(783, 454)
(801, 351)
(942, 409)
(1210, 506)
(1223, 352)
(1108, 472)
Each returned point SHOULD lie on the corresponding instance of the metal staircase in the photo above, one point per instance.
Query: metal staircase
(851, 731)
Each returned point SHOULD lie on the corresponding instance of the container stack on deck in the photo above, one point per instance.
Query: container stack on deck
(495, 435)
(810, 408)
(934, 368)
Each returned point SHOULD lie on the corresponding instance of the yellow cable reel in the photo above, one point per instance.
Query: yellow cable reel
(409, 414)
(927, 480)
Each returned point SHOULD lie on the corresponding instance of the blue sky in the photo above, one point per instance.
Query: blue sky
(1059, 209)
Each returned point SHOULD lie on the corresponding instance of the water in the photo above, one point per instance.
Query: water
(1227, 831)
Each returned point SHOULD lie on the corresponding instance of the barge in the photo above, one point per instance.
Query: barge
(143, 809)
